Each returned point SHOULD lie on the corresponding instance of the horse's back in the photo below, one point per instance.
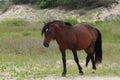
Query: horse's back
(85, 35)
(84, 28)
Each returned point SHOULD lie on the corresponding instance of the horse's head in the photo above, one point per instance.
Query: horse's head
(49, 33)
(51, 29)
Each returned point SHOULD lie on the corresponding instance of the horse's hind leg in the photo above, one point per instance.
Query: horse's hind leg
(87, 59)
(77, 61)
(93, 64)
(90, 56)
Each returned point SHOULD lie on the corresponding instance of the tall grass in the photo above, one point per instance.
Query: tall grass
(22, 55)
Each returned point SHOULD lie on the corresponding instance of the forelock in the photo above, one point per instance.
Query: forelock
(47, 25)
(44, 28)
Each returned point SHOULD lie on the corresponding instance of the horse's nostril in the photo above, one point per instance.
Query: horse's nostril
(46, 44)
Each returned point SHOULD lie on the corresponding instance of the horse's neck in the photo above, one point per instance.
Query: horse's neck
(62, 36)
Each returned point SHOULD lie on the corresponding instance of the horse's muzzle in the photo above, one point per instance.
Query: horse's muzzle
(46, 44)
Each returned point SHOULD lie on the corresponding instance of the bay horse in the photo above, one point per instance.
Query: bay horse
(74, 37)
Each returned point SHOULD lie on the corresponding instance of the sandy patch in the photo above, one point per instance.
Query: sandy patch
(77, 78)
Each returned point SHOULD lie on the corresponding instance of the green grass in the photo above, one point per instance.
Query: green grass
(12, 22)
(110, 30)
(22, 54)
(71, 20)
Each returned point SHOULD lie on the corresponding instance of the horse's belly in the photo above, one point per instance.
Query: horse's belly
(83, 44)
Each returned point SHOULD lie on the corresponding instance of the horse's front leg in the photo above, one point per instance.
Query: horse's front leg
(64, 62)
(77, 61)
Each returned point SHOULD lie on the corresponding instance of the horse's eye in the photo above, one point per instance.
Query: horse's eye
(47, 30)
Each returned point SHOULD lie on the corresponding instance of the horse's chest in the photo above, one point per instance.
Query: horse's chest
(65, 44)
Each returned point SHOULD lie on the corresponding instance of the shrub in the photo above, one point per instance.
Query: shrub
(20, 1)
(24, 1)
(4, 5)
(65, 1)
(55, 3)
(47, 3)
(43, 5)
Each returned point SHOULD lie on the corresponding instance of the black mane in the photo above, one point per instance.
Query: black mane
(48, 24)
(68, 24)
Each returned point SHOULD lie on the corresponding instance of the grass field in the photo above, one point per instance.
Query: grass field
(22, 55)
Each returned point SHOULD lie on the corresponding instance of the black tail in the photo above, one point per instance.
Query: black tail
(98, 48)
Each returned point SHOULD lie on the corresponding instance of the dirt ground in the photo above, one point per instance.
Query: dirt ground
(77, 78)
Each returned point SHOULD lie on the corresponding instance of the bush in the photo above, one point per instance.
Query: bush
(25, 1)
(47, 3)
(67, 3)
(43, 5)
(55, 3)
(20, 1)
(5, 4)
(98, 3)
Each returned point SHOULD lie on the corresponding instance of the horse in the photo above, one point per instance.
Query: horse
(74, 37)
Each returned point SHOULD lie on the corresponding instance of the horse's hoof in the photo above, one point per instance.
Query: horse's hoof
(63, 74)
(93, 71)
(81, 73)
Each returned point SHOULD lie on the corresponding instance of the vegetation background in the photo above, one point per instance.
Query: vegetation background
(22, 55)
(66, 3)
